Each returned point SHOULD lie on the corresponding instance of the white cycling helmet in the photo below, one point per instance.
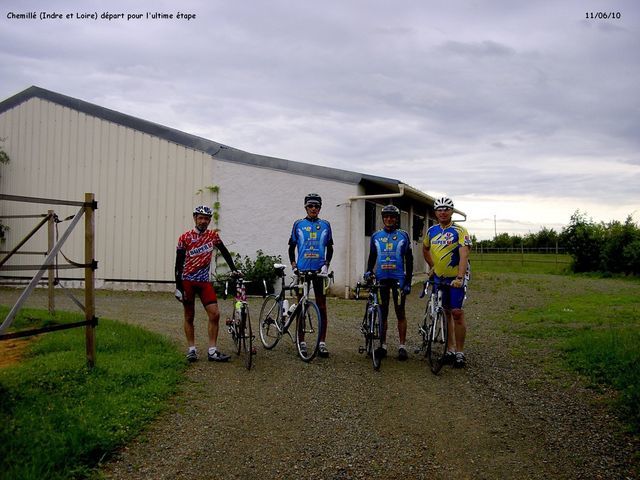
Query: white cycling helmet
(443, 203)
(203, 210)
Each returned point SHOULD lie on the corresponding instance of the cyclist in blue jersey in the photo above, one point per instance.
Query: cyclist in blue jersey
(391, 261)
(312, 238)
(446, 249)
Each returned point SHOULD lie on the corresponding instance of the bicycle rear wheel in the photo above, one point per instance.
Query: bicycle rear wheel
(375, 332)
(437, 341)
(270, 318)
(308, 328)
(246, 338)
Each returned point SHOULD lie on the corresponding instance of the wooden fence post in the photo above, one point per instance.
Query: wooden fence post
(89, 277)
(51, 274)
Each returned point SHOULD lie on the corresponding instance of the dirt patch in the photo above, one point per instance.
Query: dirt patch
(11, 351)
(505, 416)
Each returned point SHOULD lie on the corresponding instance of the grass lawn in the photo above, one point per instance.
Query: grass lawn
(599, 335)
(520, 263)
(58, 419)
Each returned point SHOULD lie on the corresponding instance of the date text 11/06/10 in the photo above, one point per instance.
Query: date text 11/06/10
(603, 15)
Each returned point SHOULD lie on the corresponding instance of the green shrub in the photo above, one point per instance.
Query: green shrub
(602, 247)
(259, 269)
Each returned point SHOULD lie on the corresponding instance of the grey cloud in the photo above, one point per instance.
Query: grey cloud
(477, 49)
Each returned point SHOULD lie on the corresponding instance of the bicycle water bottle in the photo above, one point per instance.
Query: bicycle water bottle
(238, 307)
(292, 308)
(285, 307)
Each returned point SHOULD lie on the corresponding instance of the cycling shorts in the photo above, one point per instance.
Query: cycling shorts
(389, 288)
(204, 290)
(451, 297)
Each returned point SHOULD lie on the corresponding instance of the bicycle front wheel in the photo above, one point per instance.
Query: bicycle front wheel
(437, 341)
(246, 338)
(270, 318)
(236, 333)
(308, 328)
(375, 332)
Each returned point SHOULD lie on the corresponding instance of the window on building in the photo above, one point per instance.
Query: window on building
(369, 218)
(418, 226)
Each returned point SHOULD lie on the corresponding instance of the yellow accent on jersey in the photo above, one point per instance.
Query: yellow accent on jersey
(444, 244)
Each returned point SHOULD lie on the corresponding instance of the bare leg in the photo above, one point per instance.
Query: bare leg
(451, 342)
(460, 328)
(189, 314)
(402, 323)
(214, 319)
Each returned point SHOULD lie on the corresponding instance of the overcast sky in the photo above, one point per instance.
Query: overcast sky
(526, 111)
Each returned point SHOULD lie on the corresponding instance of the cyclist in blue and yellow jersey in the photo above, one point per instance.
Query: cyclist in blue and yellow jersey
(193, 261)
(446, 250)
(312, 237)
(391, 261)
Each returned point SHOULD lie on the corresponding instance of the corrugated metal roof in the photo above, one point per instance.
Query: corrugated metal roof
(220, 151)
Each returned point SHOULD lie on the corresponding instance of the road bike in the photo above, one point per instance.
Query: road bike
(239, 325)
(434, 329)
(372, 325)
(277, 316)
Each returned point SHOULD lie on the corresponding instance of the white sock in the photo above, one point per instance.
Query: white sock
(212, 350)
(192, 348)
(402, 346)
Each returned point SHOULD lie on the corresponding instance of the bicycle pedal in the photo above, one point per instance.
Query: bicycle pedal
(228, 321)
(361, 349)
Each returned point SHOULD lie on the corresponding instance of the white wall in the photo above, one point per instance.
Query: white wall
(143, 186)
(259, 206)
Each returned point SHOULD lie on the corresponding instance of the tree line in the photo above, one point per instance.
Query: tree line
(605, 247)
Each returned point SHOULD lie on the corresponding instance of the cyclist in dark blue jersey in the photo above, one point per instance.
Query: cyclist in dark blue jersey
(391, 260)
(311, 237)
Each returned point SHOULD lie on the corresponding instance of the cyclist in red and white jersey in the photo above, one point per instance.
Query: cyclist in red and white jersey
(193, 263)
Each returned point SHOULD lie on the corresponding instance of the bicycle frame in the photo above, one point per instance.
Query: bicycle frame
(434, 328)
(372, 326)
(239, 326)
(306, 314)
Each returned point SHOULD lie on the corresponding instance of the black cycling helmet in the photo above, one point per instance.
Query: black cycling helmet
(312, 199)
(390, 210)
(203, 210)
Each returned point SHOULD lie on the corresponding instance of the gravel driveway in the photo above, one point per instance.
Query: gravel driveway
(504, 416)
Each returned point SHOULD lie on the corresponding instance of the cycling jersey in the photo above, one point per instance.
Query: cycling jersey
(311, 237)
(198, 248)
(444, 244)
(391, 248)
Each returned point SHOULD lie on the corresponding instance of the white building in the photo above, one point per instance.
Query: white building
(147, 178)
